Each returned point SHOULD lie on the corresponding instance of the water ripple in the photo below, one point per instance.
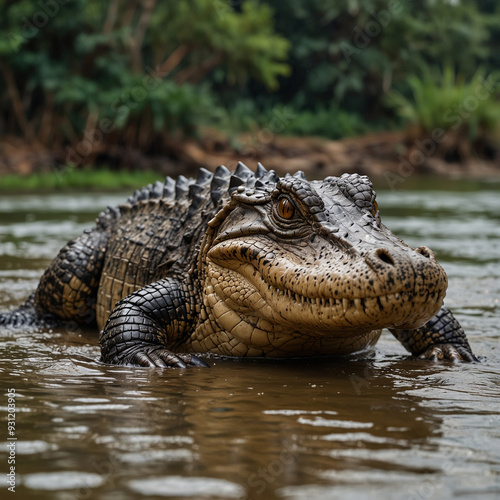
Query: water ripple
(174, 486)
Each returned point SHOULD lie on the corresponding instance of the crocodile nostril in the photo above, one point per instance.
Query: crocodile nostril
(424, 251)
(384, 256)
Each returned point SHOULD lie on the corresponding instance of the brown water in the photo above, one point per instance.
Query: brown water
(376, 425)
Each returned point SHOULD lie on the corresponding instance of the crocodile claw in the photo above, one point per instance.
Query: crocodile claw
(192, 360)
(163, 358)
(451, 352)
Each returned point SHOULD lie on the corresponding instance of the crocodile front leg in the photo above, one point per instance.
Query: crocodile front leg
(440, 338)
(144, 327)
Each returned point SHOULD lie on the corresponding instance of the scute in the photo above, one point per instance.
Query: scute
(169, 189)
(181, 186)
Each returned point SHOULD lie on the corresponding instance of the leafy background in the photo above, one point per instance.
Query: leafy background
(92, 77)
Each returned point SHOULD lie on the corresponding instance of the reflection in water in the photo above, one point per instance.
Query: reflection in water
(374, 425)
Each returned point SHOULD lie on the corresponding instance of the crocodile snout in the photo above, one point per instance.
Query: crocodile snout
(408, 269)
(412, 276)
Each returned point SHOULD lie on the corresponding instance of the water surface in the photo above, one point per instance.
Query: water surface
(375, 425)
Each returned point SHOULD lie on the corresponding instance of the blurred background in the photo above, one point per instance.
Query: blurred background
(123, 87)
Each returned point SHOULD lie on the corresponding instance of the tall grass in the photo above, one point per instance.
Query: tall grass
(466, 109)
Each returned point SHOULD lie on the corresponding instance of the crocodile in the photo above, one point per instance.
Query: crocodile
(246, 264)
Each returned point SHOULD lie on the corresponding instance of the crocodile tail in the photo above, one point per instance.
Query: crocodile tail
(26, 315)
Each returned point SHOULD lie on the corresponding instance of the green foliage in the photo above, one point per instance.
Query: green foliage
(159, 106)
(71, 178)
(125, 72)
(331, 122)
(146, 74)
(243, 43)
(353, 52)
(469, 108)
(242, 116)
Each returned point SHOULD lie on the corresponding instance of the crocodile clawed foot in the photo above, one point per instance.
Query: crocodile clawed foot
(163, 358)
(448, 352)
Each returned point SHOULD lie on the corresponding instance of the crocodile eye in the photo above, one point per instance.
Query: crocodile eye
(375, 208)
(286, 208)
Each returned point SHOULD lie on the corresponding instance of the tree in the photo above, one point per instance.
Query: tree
(92, 74)
(352, 52)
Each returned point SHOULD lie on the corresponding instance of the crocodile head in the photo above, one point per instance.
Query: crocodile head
(294, 267)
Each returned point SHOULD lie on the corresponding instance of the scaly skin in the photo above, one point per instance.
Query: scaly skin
(247, 264)
(440, 338)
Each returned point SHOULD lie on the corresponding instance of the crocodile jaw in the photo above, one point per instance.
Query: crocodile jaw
(256, 300)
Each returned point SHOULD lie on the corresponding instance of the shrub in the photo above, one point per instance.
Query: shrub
(331, 122)
(467, 111)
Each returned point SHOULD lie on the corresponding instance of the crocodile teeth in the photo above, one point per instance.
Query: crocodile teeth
(345, 304)
(330, 302)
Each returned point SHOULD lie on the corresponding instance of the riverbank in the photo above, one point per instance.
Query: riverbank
(389, 156)
(70, 178)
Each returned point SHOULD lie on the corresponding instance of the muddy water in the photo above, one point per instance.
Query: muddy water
(375, 425)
